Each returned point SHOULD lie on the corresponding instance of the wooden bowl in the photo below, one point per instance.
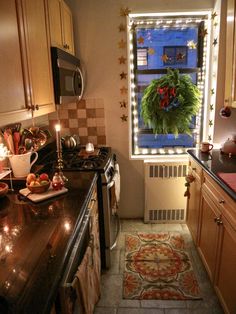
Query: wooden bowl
(3, 189)
(38, 189)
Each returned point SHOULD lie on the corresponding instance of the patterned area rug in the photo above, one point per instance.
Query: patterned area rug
(157, 267)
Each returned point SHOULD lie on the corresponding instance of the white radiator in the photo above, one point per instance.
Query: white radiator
(164, 192)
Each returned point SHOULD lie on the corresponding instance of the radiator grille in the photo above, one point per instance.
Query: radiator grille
(164, 192)
(170, 171)
(166, 215)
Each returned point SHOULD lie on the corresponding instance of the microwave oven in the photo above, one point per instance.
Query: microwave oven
(68, 79)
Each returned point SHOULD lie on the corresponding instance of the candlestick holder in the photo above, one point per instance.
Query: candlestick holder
(59, 153)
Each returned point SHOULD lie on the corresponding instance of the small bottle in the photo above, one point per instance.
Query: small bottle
(57, 182)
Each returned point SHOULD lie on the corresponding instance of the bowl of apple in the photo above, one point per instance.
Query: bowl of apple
(38, 183)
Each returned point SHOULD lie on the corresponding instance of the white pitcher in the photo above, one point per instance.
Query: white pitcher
(21, 164)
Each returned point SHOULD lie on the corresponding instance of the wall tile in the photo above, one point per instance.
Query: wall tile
(91, 122)
(72, 113)
(85, 118)
(81, 113)
(99, 113)
(81, 104)
(83, 132)
(73, 123)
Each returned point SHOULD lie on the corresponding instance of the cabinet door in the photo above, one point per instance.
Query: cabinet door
(12, 93)
(38, 56)
(67, 25)
(209, 234)
(54, 7)
(193, 206)
(226, 278)
(230, 74)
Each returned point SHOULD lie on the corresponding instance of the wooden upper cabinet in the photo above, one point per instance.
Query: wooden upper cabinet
(12, 92)
(230, 74)
(38, 58)
(61, 25)
(25, 62)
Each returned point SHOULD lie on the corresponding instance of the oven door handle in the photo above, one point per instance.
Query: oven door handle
(112, 182)
(67, 273)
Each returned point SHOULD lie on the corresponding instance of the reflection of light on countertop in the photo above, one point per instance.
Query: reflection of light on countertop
(5, 228)
(67, 225)
(8, 248)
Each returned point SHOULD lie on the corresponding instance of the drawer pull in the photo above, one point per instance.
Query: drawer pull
(218, 221)
(194, 169)
(221, 201)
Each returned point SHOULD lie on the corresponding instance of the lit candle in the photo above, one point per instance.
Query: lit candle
(58, 136)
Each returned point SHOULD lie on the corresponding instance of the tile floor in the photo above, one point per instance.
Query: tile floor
(111, 301)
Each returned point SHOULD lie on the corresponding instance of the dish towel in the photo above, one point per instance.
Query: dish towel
(115, 190)
(87, 282)
(229, 179)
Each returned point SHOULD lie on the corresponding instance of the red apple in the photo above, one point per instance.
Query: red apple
(44, 177)
(30, 177)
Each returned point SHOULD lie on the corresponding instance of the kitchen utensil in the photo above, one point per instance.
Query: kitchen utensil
(229, 147)
(21, 164)
(16, 140)
(69, 142)
(206, 147)
(9, 140)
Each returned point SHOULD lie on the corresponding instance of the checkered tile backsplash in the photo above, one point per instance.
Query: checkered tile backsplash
(85, 118)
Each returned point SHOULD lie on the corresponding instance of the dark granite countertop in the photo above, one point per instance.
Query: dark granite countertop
(215, 162)
(35, 243)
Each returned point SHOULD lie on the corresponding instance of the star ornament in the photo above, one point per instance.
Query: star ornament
(123, 104)
(180, 56)
(203, 32)
(122, 44)
(123, 75)
(141, 40)
(122, 60)
(151, 51)
(164, 58)
(124, 118)
(213, 15)
(121, 27)
(215, 42)
(191, 44)
(124, 11)
(123, 90)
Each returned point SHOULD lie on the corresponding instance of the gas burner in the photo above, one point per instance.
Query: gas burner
(78, 160)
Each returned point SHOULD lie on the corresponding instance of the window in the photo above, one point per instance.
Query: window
(156, 44)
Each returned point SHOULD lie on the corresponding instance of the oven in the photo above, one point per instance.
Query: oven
(103, 161)
(80, 286)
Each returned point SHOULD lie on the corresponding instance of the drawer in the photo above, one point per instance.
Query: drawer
(221, 199)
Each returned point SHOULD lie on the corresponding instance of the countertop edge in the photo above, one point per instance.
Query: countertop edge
(57, 280)
(223, 185)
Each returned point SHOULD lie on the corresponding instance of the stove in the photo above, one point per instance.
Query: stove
(102, 161)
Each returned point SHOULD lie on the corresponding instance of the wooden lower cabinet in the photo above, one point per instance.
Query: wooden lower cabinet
(225, 281)
(209, 234)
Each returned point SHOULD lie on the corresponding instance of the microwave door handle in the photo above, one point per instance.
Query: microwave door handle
(78, 72)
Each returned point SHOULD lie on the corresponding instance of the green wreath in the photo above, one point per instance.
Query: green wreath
(169, 103)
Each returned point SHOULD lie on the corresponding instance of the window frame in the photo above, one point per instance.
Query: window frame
(132, 19)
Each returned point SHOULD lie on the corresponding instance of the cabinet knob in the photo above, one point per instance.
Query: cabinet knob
(218, 221)
(221, 201)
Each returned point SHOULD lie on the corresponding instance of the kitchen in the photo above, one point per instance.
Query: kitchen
(102, 92)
